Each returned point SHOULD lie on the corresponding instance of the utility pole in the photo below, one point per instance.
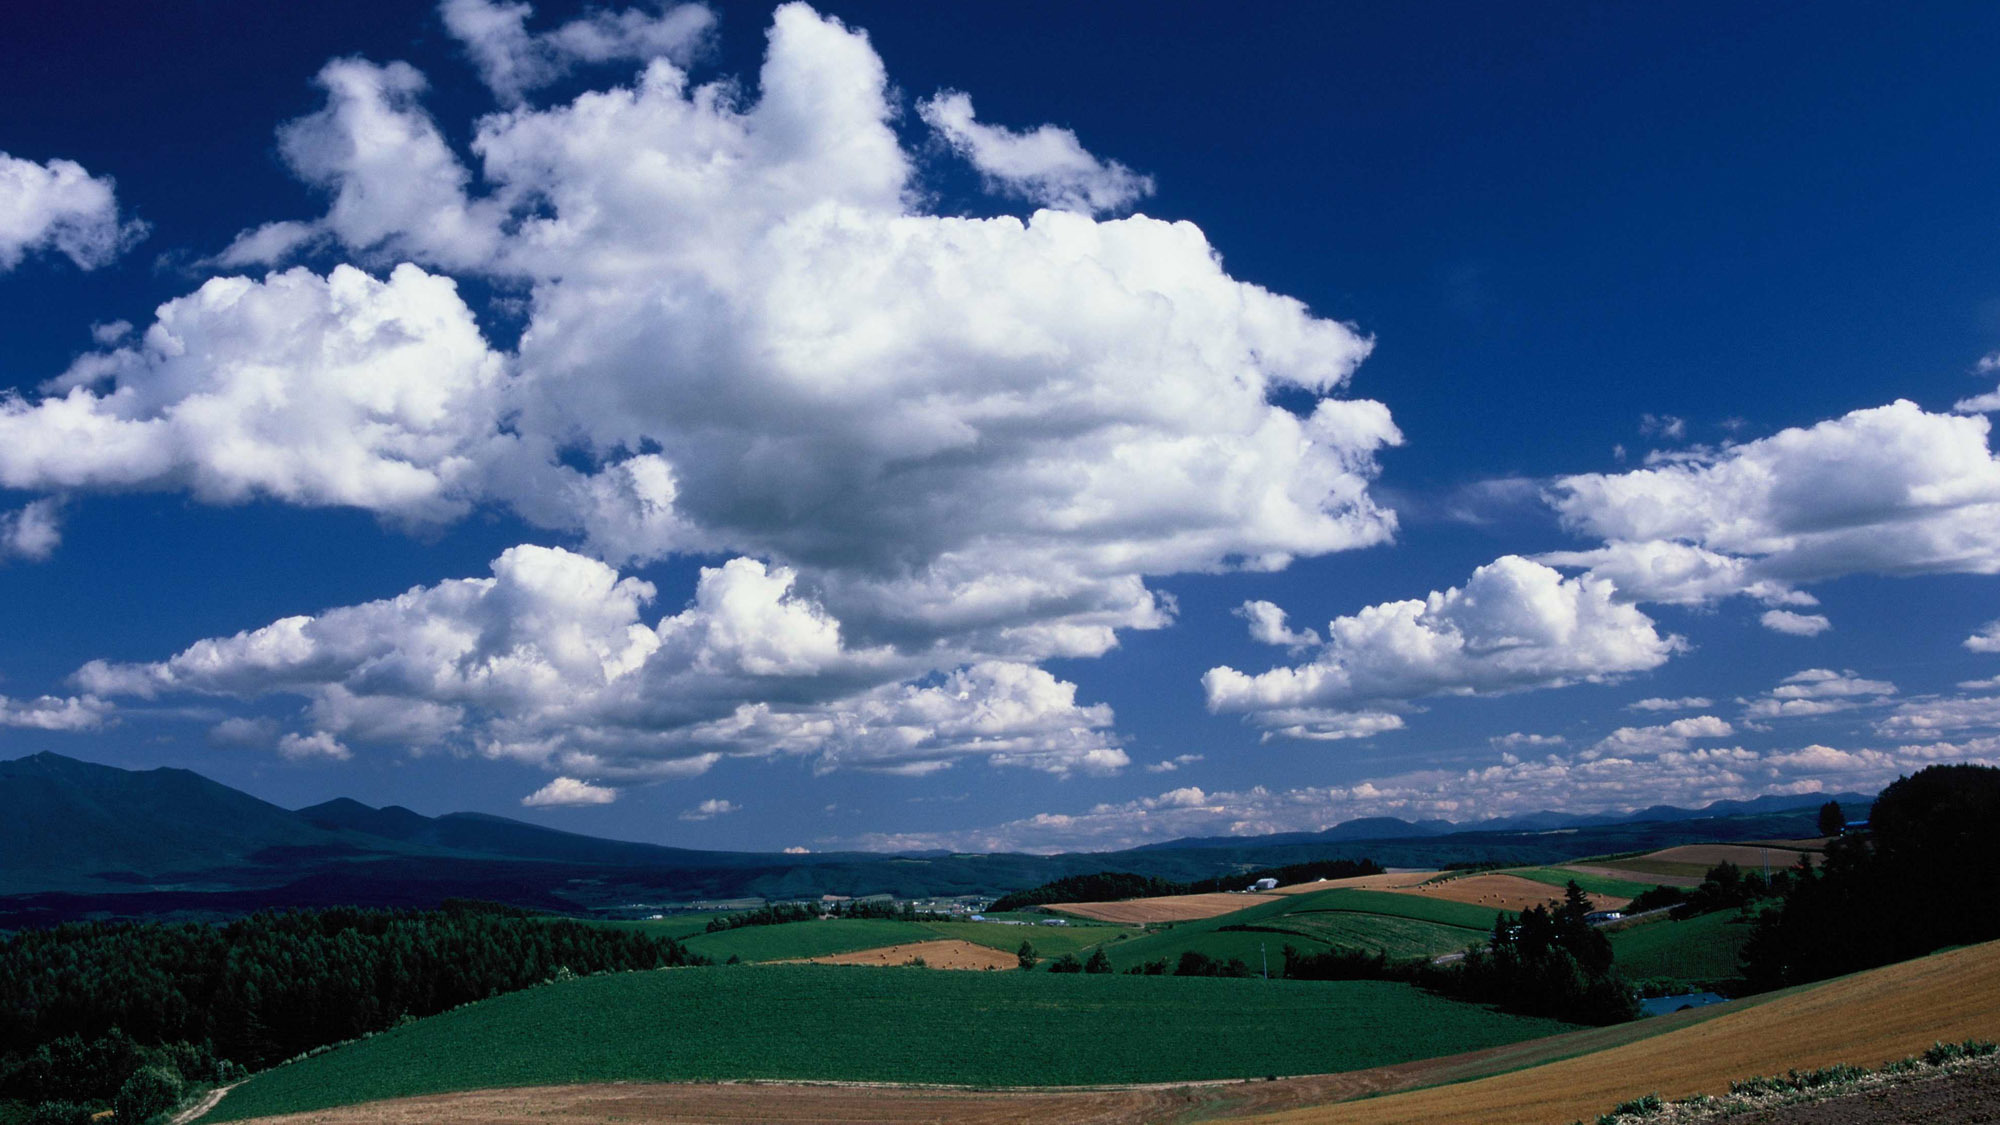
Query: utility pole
(1266, 955)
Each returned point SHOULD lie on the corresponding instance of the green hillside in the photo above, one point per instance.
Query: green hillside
(1699, 951)
(827, 1023)
(1560, 877)
(1399, 925)
(797, 940)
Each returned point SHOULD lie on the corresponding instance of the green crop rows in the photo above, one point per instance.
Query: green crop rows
(822, 1022)
(797, 940)
(1365, 920)
(1558, 877)
(1698, 951)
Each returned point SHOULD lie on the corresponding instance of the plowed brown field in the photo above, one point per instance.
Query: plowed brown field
(1388, 881)
(1867, 1019)
(947, 953)
(1502, 892)
(1694, 860)
(1173, 908)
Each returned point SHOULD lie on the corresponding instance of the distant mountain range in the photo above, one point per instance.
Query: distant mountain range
(80, 840)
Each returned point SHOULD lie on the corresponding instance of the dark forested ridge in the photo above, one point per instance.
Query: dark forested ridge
(84, 1008)
(1924, 874)
(83, 841)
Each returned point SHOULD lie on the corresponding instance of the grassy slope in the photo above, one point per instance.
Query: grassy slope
(1866, 1019)
(795, 940)
(1310, 922)
(887, 1025)
(1698, 950)
(1558, 877)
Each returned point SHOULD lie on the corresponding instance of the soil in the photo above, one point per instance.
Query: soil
(1388, 881)
(1969, 1097)
(1504, 892)
(1172, 908)
(949, 953)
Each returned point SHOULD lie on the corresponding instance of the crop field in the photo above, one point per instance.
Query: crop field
(1502, 892)
(1366, 920)
(798, 941)
(800, 1104)
(1387, 881)
(837, 1023)
(1866, 1019)
(942, 954)
(1692, 861)
(1699, 950)
(1599, 886)
(1397, 937)
(1170, 908)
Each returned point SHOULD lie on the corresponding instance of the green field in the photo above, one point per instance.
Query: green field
(795, 940)
(807, 939)
(818, 1022)
(1560, 877)
(1400, 925)
(1397, 937)
(1698, 951)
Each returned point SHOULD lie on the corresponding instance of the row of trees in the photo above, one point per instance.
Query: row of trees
(1545, 961)
(781, 913)
(82, 1005)
(1926, 874)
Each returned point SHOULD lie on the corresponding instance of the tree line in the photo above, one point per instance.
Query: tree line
(1545, 961)
(783, 913)
(1924, 874)
(1113, 886)
(84, 1008)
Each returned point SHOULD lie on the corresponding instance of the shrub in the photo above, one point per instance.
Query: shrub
(151, 1091)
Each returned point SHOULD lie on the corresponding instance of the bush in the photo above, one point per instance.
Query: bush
(1098, 963)
(60, 1113)
(151, 1091)
(1067, 963)
(1645, 1106)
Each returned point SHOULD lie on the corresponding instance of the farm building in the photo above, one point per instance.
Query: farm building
(1264, 885)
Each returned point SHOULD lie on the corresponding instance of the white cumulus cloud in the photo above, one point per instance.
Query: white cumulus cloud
(934, 451)
(1046, 165)
(1887, 490)
(33, 532)
(61, 713)
(336, 390)
(710, 809)
(1818, 691)
(1795, 624)
(568, 792)
(1515, 625)
(1658, 703)
(512, 60)
(1987, 639)
(58, 206)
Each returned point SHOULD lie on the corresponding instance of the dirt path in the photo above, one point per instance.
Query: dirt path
(203, 1105)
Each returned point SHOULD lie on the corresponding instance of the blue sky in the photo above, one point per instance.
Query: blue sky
(878, 425)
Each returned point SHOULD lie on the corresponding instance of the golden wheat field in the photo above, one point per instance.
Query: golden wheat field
(1866, 1019)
